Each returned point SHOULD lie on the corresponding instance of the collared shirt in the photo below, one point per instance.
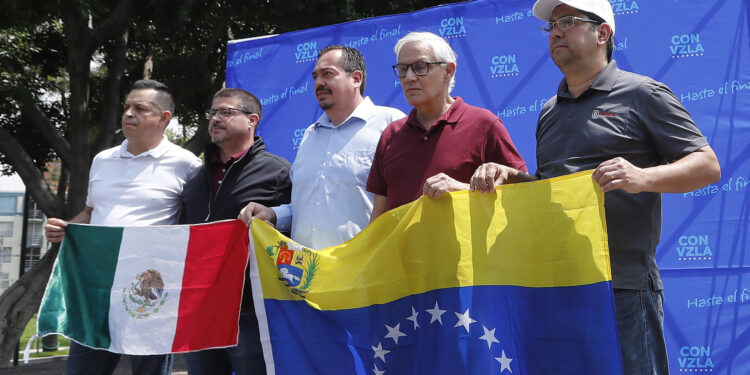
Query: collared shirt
(329, 202)
(139, 190)
(461, 140)
(631, 116)
(219, 169)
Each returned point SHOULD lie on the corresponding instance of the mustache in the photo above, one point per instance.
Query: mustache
(323, 88)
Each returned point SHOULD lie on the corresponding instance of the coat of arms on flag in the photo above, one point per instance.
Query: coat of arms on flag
(145, 295)
(297, 266)
(516, 282)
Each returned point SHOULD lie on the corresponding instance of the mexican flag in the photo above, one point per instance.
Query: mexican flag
(148, 290)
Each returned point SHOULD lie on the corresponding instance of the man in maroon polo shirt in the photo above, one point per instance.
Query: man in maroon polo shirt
(436, 148)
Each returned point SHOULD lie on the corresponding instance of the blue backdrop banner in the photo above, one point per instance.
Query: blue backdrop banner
(699, 48)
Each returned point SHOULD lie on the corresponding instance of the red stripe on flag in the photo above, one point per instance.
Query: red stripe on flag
(212, 286)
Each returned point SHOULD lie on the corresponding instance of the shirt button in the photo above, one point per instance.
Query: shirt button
(220, 182)
(425, 138)
(223, 170)
(313, 229)
(322, 177)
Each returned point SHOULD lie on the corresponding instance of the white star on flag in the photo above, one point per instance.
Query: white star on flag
(489, 336)
(504, 362)
(394, 332)
(436, 314)
(464, 320)
(376, 371)
(380, 352)
(413, 318)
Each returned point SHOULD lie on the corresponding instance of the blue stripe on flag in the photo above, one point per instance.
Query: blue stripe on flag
(511, 329)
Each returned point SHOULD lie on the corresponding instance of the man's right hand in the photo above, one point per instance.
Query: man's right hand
(257, 211)
(54, 229)
(490, 175)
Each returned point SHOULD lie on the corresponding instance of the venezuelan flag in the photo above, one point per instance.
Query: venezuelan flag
(515, 282)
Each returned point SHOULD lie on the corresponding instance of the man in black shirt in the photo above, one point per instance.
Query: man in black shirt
(237, 170)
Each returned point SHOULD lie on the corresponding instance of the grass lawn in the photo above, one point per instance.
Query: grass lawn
(36, 348)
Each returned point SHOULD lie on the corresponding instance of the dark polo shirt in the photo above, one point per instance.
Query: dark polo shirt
(220, 169)
(631, 116)
(461, 140)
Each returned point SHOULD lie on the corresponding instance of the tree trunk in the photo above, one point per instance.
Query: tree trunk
(20, 302)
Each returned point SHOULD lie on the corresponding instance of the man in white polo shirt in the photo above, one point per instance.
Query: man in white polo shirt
(138, 183)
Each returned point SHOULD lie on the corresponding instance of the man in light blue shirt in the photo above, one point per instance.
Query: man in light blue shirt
(329, 202)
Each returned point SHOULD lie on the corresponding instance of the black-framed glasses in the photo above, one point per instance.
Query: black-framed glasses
(564, 23)
(419, 68)
(225, 112)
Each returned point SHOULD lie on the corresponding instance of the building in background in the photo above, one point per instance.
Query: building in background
(12, 192)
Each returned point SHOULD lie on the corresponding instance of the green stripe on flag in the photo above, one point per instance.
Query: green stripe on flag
(76, 303)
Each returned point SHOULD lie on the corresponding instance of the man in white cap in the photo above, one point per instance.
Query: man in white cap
(641, 141)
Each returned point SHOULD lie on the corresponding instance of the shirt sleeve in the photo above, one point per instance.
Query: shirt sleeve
(667, 122)
(376, 183)
(92, 170)
(283, 217)
(500, 149)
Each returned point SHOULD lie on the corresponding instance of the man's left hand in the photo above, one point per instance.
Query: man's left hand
(440, 184)
(618, 173)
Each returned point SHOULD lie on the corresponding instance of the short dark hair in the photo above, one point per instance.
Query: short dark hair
(163, 97)
(351, 60)
(599, 21)
(245, 100)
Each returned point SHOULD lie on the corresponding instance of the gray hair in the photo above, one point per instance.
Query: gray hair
(440, 48)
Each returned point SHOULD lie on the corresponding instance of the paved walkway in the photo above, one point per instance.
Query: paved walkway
(56, 366)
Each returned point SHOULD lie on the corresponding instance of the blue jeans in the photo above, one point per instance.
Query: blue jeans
(244, 359)
(84, 360)
(640, 324)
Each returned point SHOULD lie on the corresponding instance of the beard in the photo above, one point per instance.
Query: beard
(218, 137)
(325, 105)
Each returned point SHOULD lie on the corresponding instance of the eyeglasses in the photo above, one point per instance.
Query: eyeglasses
(223, 112)
(419, 68)
(564, 23)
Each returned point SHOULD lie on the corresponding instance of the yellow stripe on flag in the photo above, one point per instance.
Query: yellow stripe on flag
(548, 233)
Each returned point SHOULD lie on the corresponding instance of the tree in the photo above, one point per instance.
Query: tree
(65, 67)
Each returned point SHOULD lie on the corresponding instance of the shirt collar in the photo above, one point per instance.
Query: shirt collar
(216, 157)
(363, 111)
(155, 152)
(451, 116)
(605, 81)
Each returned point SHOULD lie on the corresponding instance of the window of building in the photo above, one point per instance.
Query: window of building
(6, 229)
(32, 258)
(5, 254)
(8, 204)
(34, 234)
(4, 280)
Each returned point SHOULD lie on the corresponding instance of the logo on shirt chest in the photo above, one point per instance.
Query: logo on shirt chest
(599, 113)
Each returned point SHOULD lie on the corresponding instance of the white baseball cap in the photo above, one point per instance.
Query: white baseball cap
(602, 8)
